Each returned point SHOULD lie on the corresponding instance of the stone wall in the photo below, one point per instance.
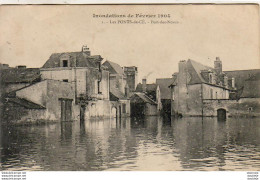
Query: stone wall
(188, 102)
(247, 107)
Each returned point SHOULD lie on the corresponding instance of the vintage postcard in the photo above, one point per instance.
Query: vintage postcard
(171, 87)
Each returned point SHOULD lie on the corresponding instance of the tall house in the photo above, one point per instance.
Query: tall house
(81, 69)
(131, 73)
(196, 82)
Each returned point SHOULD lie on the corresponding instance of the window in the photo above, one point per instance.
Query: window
(210, 78)
(65, 80)
(216, 95)
(65, 63)
(211, 93)
(99, 87)
(124, 108)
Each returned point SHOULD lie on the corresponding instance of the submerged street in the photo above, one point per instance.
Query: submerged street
(152, 143)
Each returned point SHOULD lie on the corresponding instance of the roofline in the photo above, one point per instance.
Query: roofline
(243, 70)
(146, 96)
(66, 68)
(41, 107)
(207, 84)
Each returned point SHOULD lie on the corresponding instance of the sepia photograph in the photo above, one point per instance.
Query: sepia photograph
(159, 87)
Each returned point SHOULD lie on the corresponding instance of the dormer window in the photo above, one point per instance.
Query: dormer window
(64, 60)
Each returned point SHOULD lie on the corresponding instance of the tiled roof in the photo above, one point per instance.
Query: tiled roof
(149, 87)
(164, 84)
(251, 87)
(113, 68)
(141, 96)
(76, 59)
(242, 75)
(15, 75)
(195, 68)
(25, 103)
(117, 94)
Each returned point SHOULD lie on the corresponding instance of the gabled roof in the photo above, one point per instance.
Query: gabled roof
(141, 97)
(113, 68)
(25, 103)
(76, 59)
(15, 75)
(195, 68)
(164, 84)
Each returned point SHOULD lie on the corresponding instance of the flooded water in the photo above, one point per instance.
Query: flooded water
(152, 143)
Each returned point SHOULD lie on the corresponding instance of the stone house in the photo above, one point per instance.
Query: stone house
(85, 73)
(195, 83)
(148, 95)
(153, 91)
(48, 100)
(247, 101)
(142, 105)
(12, 79)
(118, 89)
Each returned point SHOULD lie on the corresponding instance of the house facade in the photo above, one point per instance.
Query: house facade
(195, 83)
(142, 105)
(48, 100)
(118, 90)
(89, 80)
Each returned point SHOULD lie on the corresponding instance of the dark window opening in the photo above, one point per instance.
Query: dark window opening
(99, 91)
(124, 108)
(65, 63)
(65, 80)
(210, 78)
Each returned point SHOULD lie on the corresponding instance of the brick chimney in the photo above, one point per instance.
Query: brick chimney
(233, 82)
(86, 50)
(21, 67)
(144, 84)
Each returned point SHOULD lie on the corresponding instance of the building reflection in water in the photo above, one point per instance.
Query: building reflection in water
(151, 143)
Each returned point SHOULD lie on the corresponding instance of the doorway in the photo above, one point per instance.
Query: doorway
(221, 114)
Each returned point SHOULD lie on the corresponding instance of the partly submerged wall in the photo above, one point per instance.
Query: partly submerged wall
(247, 107)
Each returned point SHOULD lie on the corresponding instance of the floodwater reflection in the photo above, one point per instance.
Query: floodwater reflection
(151, 143)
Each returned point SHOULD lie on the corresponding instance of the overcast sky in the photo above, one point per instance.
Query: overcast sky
(30, 34)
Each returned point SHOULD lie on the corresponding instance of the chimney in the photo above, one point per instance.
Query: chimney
(86, 50)
(4, 66)
(233, 82)
(21, 67)
(182, 77)
(218, 65)
(225, 81)
(144, 85)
